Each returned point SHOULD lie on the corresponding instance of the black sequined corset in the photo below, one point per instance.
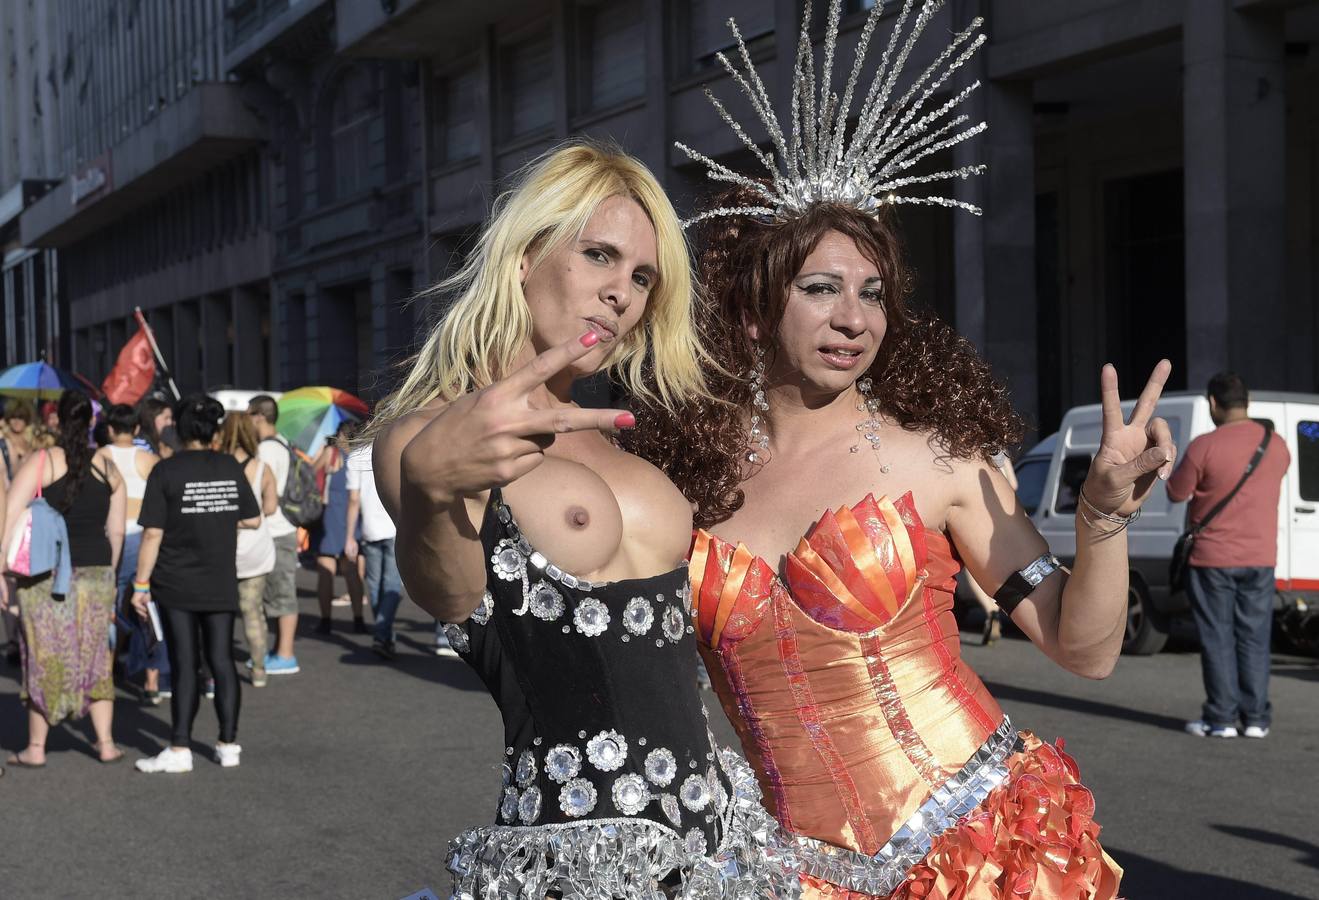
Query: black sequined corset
(597, 686)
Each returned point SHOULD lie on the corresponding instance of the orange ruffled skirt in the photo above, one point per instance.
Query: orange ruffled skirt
(1034, 836)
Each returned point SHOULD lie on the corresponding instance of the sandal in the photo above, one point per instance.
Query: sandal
(15, 760)
(993, 629)
(119, 754)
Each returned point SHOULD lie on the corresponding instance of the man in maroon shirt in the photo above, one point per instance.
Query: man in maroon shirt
(1230, 580)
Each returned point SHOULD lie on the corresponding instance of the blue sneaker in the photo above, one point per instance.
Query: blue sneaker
(282, 665)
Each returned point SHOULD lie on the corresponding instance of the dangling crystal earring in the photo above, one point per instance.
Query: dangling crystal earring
(759, 439)
(870, 426)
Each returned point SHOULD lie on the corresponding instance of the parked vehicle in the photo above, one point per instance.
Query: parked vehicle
(236, 399)
(1050, 475)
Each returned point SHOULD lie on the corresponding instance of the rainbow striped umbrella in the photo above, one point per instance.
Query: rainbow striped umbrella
(37, 381)
(308, 415)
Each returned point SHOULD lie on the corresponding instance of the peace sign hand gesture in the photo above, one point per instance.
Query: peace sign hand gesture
(1131, 455)
(494, 436)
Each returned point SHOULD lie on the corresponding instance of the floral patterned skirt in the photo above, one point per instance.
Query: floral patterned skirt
(66, 642)
(1034, 836)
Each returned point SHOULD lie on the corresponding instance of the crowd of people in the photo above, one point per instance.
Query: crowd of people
(136, 536)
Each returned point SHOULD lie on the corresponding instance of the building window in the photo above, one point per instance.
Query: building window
(526, 87)
(708, 32)
(610, 52)
(453, 114)
(350, 132)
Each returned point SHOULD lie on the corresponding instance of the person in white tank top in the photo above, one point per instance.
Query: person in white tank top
(256, 546)
(134, 465)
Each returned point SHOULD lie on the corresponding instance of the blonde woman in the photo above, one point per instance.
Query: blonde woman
(557, 558)
(256, 548)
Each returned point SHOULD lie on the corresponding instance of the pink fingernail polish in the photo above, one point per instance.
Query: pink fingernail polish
(625, 420)
(590, 339)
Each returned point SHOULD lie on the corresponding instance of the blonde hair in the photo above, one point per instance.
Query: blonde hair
(489, 323)
(238, 432)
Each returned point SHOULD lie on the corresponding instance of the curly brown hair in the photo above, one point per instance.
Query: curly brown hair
(927, 377)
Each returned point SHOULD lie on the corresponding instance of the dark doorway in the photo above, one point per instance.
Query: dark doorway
(345, 334)
(1145, 277)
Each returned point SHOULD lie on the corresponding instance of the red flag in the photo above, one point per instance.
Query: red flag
(134, 371)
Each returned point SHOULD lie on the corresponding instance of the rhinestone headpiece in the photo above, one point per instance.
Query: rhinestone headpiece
(819, 163)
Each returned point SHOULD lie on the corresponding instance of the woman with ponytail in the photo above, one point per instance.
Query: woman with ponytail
(66, 656)
(194, 503)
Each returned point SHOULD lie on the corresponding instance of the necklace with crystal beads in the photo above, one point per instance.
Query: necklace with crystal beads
(869, 427)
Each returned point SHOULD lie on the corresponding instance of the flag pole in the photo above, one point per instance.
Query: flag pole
(155, 349)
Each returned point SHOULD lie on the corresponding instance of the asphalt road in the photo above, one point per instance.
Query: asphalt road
(355, 774)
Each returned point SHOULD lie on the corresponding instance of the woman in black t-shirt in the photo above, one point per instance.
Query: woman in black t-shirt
(194, 503)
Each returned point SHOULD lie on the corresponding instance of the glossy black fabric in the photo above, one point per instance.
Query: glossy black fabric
(565, 688)
(185, 657)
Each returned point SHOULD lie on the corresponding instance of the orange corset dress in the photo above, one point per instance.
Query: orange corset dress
(877, 748)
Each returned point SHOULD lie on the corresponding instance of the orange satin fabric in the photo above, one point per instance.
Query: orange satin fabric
(844, 678)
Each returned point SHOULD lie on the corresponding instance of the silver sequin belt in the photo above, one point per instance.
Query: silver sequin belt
(880, 874)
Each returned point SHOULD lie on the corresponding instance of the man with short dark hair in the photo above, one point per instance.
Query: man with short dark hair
(1230, 578)
(281, 596)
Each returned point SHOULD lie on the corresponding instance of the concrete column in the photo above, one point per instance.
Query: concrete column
(995, 252)
(217, 358)
(249, 370)
(188, 346)
(312, 301)
(1234, 119)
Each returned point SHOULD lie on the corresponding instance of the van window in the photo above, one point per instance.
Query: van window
(1075, 468)
(1307, 459)
(1030, 481)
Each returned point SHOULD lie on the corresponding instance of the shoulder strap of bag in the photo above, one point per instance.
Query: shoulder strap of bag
(1250, 467)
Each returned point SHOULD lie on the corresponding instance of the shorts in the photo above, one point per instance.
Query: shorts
(281, 593)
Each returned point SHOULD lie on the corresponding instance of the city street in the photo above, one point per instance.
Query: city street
(355, 774)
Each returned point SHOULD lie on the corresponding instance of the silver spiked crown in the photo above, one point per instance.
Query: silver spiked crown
(867, 169)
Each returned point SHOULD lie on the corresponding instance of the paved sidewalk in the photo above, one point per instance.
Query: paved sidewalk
(356, 773)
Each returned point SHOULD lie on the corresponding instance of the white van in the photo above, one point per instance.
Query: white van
(1051, 474)
(236, 399)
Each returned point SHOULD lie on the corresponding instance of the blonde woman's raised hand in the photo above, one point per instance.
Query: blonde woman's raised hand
(1132, 454)
(494, 436)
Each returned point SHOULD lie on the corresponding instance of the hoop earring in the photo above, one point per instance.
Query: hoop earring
(759, 439)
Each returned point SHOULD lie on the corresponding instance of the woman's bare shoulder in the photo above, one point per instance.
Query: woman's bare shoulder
(391, 440)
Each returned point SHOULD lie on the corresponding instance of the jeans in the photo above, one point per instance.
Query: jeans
(1233, 610)
(384, 587)
(139, 657)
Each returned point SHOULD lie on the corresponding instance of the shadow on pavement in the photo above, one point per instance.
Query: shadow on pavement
(422, 663)
(1305, 671)
(1308, 852)
(1148, 879)
(1089, 707)
(136, 727)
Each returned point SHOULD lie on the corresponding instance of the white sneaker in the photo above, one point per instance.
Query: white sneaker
(1201, 728)
(167, 760)
(1256, 731)
(227, 755)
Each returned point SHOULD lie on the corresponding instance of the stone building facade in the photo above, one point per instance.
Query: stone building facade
(1151, 191)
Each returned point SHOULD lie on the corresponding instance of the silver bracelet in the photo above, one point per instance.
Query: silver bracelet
(1124, 521)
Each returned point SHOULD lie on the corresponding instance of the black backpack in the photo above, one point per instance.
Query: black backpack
(301, 502)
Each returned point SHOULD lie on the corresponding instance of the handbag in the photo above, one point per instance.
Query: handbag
(1180, 564)
(18, 556)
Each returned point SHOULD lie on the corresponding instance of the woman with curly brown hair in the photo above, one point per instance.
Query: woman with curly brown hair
(846, 477)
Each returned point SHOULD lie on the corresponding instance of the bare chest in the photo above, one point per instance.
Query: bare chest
(601, 513)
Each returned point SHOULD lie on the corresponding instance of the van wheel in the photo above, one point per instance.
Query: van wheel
(1147, 630)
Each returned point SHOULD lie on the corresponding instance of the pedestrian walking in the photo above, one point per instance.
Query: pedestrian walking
(134, 464)
(329, 536)
(1232, 477)
(384, 587)
(65, 613)
(256, 548)
(281, 590)
(194, 503)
